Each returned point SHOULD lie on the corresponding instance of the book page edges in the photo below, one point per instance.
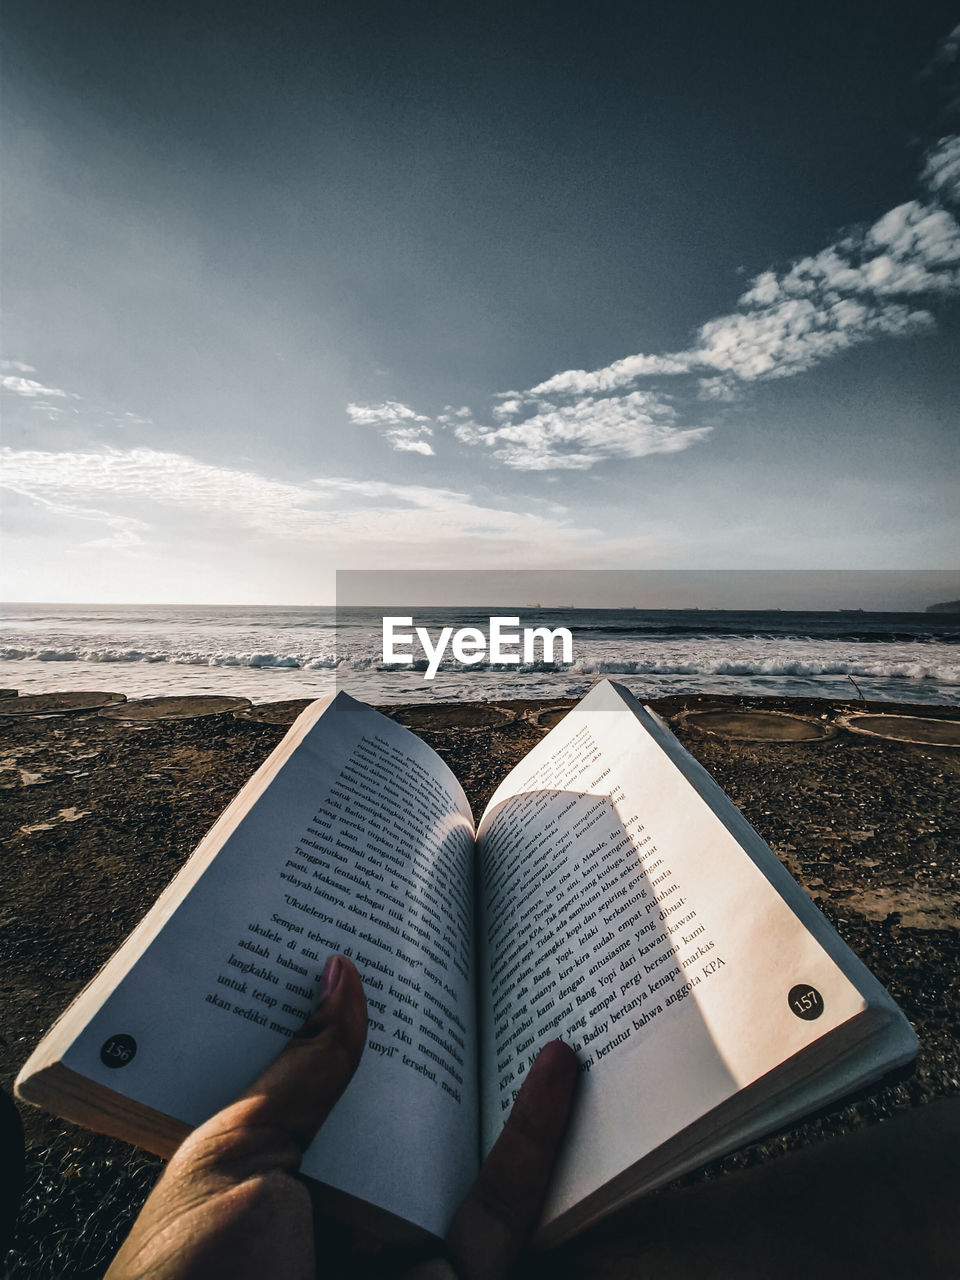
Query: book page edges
(884, 1044)
(84, 1102)
(72, 1021)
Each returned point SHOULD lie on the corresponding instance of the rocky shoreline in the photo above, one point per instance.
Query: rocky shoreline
(100, 813)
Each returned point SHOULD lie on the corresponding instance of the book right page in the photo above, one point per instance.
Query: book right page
(620, 914)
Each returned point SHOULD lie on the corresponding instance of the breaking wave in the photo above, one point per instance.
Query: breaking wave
(902, 667)
(186, 658)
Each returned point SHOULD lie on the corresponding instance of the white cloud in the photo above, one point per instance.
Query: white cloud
(579, 435)
(507, 409)
(872, 282)
(156, 502)
(405, 445)
(722, 389)
(949, 47)
(796, 333)
(916, 236)
(410, 439)
(123, 531)
(130, 420)
(21, 386)
(16, 366)
(852, 291)
(389, 413)
(619, 374)
(174, 480)
(941, 173)
(403, 428)
(450, 414)
(857, 289)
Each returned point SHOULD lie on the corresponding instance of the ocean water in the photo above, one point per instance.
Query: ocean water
(267, 654)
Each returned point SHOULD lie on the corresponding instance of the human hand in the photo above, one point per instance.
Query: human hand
(229, 1205)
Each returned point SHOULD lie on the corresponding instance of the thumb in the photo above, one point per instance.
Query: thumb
(203, 1195)
(298, 1089)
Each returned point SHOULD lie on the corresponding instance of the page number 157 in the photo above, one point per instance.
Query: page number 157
(805, 1001)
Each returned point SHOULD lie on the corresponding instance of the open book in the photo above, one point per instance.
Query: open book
(612, 896)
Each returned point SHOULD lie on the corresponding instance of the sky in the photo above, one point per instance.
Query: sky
(356, 285)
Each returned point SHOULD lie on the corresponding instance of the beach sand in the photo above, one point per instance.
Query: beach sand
(100, 813)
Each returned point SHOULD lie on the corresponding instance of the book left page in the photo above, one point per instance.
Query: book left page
(362, 843)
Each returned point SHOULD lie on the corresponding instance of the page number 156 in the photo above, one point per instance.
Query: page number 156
(118, 1051)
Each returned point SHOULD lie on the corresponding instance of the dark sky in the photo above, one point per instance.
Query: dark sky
(295, 258)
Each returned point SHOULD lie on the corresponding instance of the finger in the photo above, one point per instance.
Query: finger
(296, 1092)
(502, 1208)
(228, 1175)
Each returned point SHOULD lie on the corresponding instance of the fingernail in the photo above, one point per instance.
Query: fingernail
(330, 978)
